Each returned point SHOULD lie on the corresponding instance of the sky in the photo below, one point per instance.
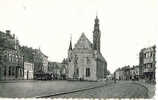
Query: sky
(126, 26)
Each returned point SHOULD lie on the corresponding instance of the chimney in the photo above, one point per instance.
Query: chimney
(14, 36)
(8, 32)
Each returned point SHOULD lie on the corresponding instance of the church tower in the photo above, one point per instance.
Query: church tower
(96, 35)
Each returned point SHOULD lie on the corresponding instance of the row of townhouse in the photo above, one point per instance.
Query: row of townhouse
(19, 62)
(40, 63)
(11, 57)
(147, 63)
(58, 70)
(145, 70)
(127, 73)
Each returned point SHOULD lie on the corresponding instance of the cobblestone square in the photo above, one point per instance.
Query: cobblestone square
(122, 89)
(75, 89)
(40, 88)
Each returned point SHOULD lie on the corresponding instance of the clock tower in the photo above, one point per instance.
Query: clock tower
(96, 35)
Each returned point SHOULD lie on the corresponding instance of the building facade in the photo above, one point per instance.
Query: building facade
(85, 60)
(147, 63)
(40, 62)
(134, 72)
(124, 73)
(11, 65)
(58, 70)
(45, 63)
(126, 70)
(119, 74)
(28, 71)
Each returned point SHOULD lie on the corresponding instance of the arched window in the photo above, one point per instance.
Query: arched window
(87, 72)
(77, 71)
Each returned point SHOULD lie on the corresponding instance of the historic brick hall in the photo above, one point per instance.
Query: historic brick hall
(85, 60)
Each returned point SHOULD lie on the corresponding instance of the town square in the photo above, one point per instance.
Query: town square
(46, 61)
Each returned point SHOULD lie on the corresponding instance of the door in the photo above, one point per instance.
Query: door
(27, 75)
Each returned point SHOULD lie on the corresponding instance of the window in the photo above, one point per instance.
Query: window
(77, 71)
(144, 55)
(0, 71)
(76, 59)
(151, 65)
(9, 71)
(5, 71)
(87, 72)
(20, 72)
(13, 71)
(151, 54)
(88, 60)
(10, 57)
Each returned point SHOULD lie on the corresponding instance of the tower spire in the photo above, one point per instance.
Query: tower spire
(70, 46)
(96, 35)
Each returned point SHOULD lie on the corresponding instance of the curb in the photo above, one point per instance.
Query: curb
(149, 91)
(143, 86)
(8, 82)
(77, 90)
(17, 81)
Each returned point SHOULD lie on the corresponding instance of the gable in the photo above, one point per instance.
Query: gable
(83, 43)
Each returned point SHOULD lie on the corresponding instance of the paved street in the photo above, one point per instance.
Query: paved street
(39, 88)
(122, 89)
(125, 89)
(151, 88)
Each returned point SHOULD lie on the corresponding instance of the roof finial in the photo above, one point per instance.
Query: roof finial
(96, 14)
(71, 37)
(96, 19)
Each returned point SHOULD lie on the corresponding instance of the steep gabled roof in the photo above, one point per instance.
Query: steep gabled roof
(83, 43)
